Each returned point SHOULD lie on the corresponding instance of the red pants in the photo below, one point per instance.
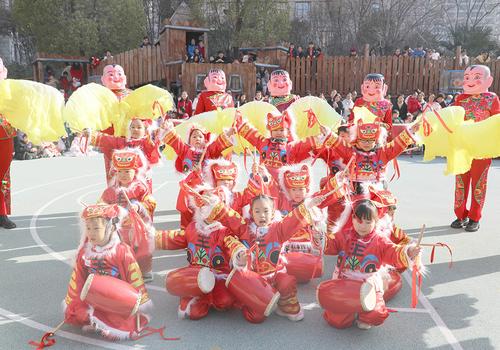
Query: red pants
(374, 318)
(6, 150)
(287, 287)
(197, 307)
(477, 178)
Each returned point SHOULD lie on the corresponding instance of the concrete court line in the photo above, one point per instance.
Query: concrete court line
(68, 335)
(164, 256)
(19, 248)
(34, 232)
(447, 333)
(53, 182)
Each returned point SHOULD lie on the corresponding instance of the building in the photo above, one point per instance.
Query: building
(6, 44)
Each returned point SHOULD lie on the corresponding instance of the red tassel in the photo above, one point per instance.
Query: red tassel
(245, 150)
(150, 331)
(432, 253)
(416, 285)
(397, 173)
(45, 342)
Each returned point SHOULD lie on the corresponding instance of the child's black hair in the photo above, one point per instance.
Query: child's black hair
(342, 128)
(261, 197)
(365, 210)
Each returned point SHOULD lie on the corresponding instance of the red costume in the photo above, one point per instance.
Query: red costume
(116, 260)
(266, 243)
(382, 109)
(7, 132)
(215, 95)
(187, 157)
(184, 108)
(138, 235)
(208, 244)
(360, 258)
(276, 152)
(477, 107)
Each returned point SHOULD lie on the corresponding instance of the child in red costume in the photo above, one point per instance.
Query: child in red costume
(279, 149)
(215, 95)
(199, 147)
(370, 157)
(266, 233)
(374, 90)
(140, 137)
(208, 244)
(128, 191)
(479, 104)
(102, 253)
(361, 252)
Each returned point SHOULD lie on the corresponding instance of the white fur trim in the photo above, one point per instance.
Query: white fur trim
(185, 313)
(102, 327)
(92, 251)
(294, 168)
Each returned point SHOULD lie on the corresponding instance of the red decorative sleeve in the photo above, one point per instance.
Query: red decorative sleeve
(393, 254)
(133, 274)
(300, 150)
(215, 149)
(333, 243)
(252, 135)
(396, 146)
(200, 105)
(296, 219)
(398, 236)
(495, 106)
(148, 147)
(336, 144)
(175, 141)
(107, 143)
(76, 311)
(170, 239)
(230, 219)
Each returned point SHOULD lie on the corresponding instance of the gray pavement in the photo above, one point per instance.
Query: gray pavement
(458, 307)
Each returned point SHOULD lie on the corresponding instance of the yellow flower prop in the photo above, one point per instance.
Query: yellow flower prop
(34, 108)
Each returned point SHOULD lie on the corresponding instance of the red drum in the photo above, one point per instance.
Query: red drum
(346, 296)
(393, 286)
(303, 266)
(253, 291)
(190, 281)
(110, 294)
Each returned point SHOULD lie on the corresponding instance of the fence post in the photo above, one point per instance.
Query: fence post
(458, 52)
(366, 52)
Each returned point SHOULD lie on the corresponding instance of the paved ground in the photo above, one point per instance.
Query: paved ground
(458, 308)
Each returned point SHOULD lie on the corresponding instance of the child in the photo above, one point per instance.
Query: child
(370, 156)
(198, 147)
(279, 149)
(102, 253)
(139, 137)
(207, 244)
(265, 233)
(128, 191)
(361, 252)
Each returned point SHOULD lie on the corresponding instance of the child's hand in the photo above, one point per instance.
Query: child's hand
(230, 132)
(317, 200)
(241, 258)
(414, 128)
(238, 119)
(413, 251)
(324, 130)
(167, 125)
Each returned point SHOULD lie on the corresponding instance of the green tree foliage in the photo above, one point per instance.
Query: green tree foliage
(81, 27)
(237, 23)
(474, 39)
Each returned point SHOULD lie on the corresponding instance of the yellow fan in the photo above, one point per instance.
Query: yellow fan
(481, 139)
(255, 113)
(364, 114)
(146, 102)
(325, 114)
(213, 121)
(34, 108)
(91, 106)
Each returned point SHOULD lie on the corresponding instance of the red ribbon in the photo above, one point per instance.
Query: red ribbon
(45, 342)
(150, 331)
(442, 122)
(416, 286)
(440, 244)
(157, 105)
(397, 172)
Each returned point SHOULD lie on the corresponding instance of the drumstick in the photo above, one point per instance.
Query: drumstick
(194, 193)
(421, 235)
(58, 326)
(138, 320)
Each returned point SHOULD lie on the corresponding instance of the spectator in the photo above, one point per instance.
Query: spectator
(319, 53)
(258, 84)
(201, 48)
(48, 72)
(331, 98)
(421, 100)
(400, 106)
(354, 95)
(76, 71)
(52, 81)
(348, 105)
(311, 50)
(220, 57)
(300, 52)
(145, 42)
(258, 96)
(64, 84)
(464, 59)
(211, 59)
(184, 106)
(338, 104)
(107, 59)
(433, 103)
(23, 148)
(75, 84)
(412, 102)
(322, 96)
(372, 52)
(418, 52)
(242, 99)
(449, 100)
(440, 100)
(244, 59)
(190, 48)
(397, 53)
(292, 52)
(435, 55)
(353, 52)
(407, 51)
(483, 57)
(197, 54)
(395, 117)
(408, 118)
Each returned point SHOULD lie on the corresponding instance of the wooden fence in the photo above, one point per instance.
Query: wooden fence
(344, 74)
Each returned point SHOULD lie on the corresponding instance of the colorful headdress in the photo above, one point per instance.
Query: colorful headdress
(297, 179)
(105, 211)
(277, 121)
(123, 160)
(368, 131)
(382, 198)
(219, 169)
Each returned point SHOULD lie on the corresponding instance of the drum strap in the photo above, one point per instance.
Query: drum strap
(147, 331)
